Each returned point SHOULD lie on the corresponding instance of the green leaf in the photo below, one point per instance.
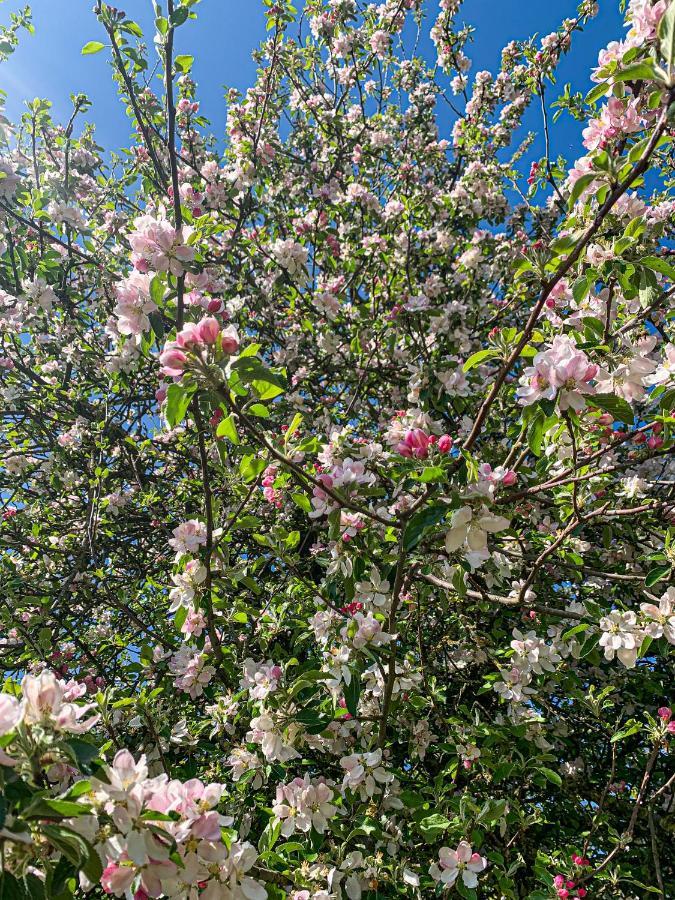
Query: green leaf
(293, 427)
(266, 390)
(302, 501)
(656, 264)
(75, 848)
(478, 357)
(92, 47)
(433, 826)
(251, 466)
(551, 776)
(563, 244)
(270, 835)
(259, 410)
(177, 402)
(430, 473)
(492, 811)
(352, 692)
(580, 288)
(631, 727)
(580, 186)
(46, 808)
(639, 71)
(157, 290)
(658, 573)
(422, 520)
(615, 406)
(178, 16)
(227, 428)
(157, 324)
(667, 400)
(312, 721)
(578, 629)
(184, 62)
(133, 28)
(666, 33)
(596, 93)
(535, 433)
(83, 753)
(466, 892)
(10, 888)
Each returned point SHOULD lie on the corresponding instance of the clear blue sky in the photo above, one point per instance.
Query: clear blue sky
(49, 63)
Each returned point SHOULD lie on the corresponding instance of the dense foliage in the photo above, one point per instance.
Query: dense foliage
(336, 474)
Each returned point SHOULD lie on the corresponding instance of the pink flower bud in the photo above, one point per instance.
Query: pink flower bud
(445, 443)
(582, 892)
(214, 306)
(510, 478)
(559, 881)
(173, 358)
(655, 442)
(230, 340)
(208, 330)
(414, 444)
(160, 394)
(665, 713)
(188, 336)
(605, 419)
(670, 728)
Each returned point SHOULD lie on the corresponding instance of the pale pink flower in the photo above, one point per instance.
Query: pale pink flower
(188, 537)
(159, 247)
(11, 713)
(560, 368)
(661, 619)
(134, 304)
(452, 863)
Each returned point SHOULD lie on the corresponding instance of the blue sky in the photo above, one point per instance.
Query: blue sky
(49, 64)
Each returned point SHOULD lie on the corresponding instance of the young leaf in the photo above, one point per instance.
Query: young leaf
(228, 429)
(477, 358)
(177, 402)
(92, 47)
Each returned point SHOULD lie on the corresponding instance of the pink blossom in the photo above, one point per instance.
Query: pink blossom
(562, 367)
(188, 536)
(117, 878)
(159, 247)
(11, 713)
(134, 304)
(414, 444)
(453, 862)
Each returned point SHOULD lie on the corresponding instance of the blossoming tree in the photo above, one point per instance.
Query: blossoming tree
(336, 472)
